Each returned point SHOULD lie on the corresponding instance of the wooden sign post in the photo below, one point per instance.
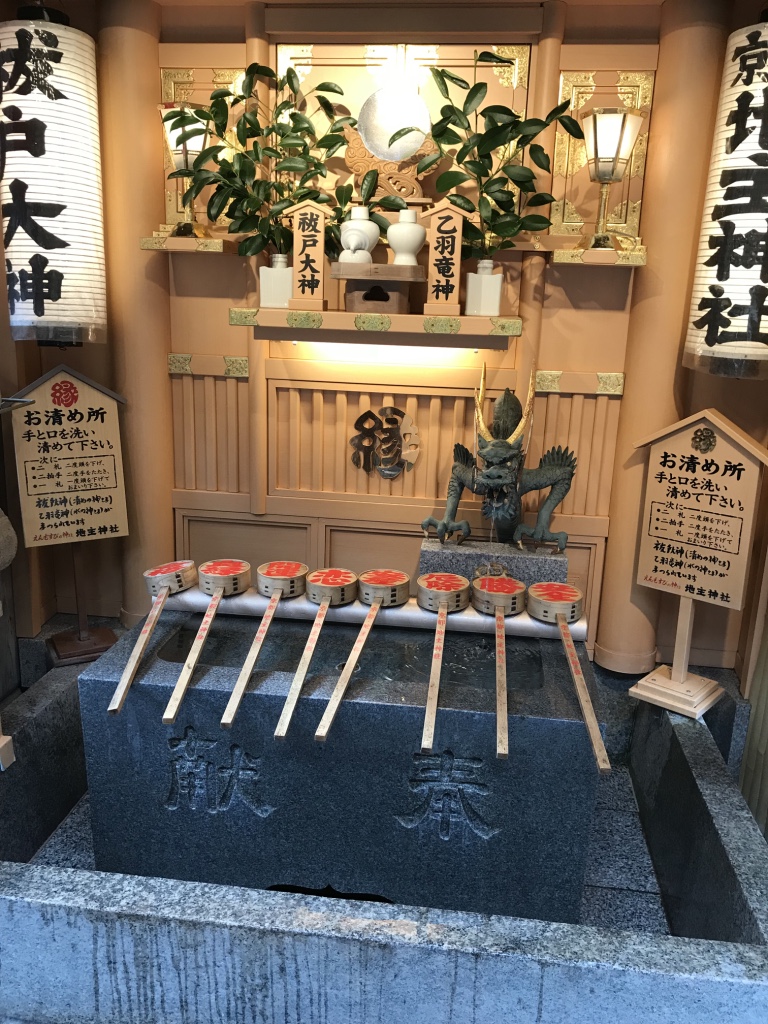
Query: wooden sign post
(696, 538)
(445, 226)
(71, 489)
(308, 256)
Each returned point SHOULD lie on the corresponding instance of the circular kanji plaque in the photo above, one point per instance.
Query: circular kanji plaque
(337, 585)
(289, 577)
(436, 588)
(548, 600)
(492, 592)
(389, 587)
(232, 574)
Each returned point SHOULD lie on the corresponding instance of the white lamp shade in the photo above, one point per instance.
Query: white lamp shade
(51, 185)
(610, 134)
(182, 153)
(727, 333)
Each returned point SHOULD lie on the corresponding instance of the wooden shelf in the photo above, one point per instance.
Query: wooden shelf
(602, 257)
(376, 272)
(407, 329)
(167, 243)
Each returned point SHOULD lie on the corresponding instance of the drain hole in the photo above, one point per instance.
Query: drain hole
(330, 893)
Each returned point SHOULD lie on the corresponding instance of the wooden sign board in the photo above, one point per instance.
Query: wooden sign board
(69, 461)
(444, 266)
(308, 256)
(700, 499)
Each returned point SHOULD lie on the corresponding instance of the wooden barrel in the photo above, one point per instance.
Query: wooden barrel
(230, 573)
(177, 576)
(548, 600)
(290, 577)
(339, 586)
(389, 587)
(492, 592)
(436, 588)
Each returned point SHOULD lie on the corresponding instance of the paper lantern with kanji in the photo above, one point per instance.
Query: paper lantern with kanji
(50, 184)
(727, 332)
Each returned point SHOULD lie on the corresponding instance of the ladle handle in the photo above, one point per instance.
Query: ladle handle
(587, 710)
(169, 715)
(338, 694)
(245, 672)
(502, 721)
(430, 712)
(301, 672)
(121, 692)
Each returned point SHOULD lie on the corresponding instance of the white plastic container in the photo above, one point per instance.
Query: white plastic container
(275, 283)
(484, 291)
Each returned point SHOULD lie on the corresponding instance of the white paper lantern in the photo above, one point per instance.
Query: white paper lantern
(727, 331)
(51, 184)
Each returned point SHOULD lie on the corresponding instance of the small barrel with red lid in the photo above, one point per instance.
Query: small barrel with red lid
(492, 592)
(386, 587)
(548, 600)
(177, 576)
(288, 577)
(436, 588)
(231, 574)
(337, 586)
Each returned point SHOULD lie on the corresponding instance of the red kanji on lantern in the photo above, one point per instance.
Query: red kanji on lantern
(64, 393)
(224, 567)
(331, 577)
(443, 581)
(555, 592)
(384, 577)
(284, 569)
(500, 585)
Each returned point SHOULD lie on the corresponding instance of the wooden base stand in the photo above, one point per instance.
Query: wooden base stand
(691, 696)
(675, 688)
(82, 644)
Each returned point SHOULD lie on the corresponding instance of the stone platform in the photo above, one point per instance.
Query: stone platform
(531, 565)
(365, 812)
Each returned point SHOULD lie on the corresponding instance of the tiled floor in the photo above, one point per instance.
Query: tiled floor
(620, 892)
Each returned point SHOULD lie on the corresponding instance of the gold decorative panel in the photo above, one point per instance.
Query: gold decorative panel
(575, 209)
(513, 74)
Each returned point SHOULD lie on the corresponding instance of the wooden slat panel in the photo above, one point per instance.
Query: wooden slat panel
(210, 422)
(188, 392)
(609, 453)
(584, 456)
(243, 438)
(342, 450)
(316, 447)
(177, 399)
(230, 433)
(198, 392)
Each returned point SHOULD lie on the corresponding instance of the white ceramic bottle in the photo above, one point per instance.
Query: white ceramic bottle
(275, 283)
(406, 237)
(484, 291)
(359, 236)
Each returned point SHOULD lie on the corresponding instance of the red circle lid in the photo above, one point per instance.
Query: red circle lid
(285, 569)
(332, 577)
(384, 577)
(555, 592)
(162, 570)
(499, 585)
(224, 567)
(443, 581)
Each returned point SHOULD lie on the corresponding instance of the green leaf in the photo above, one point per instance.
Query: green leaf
(572, 127)
(369, 185)
(281, 108)
(184, 173)
(293, 142)
(437, 74)
(532, 126)
(217, 202)
(518, 174)
(278, 208)
(509, 224)
(340, 122)
(555, 112)
(260, 70)
(540, 199)
(218, 94)
(491, 140)
(495, 184)
(467, 148)
(401, 133)
(472, 232)
(450, 179)
(485, 208)
(205, 155)
(335, 149)
(501, 114)
(428, 161)
(535, 222)
(303, 124)
(293, 163)
(381, 222)
(486, 57)
(344, 194)
(450, 138)
(458, 117)
(462, 84)
(270, 151)
(313, 173)
(476, 167)
(392, 203)
(252, 246)
(329, 87)
(462, 202)
(331, 140)
(242, 131)
(539, 156)
(194, 133)
(253, 122)
(475, 97)
(292, 80)
(327, 107)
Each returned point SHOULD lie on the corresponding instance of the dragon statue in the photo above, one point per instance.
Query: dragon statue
(503, 481)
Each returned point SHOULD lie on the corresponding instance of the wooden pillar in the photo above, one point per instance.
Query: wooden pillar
(545, 92)
(691, 48)
(137, 282)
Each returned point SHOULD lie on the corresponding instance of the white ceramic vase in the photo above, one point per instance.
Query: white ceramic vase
(275, 283)
(359, 236)
(483, 291)
(406, 237)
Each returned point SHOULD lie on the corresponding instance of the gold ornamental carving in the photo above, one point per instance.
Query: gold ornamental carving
(442, 324)
(506, 327)
(178, 363)
(176, 84)
(235, 366)
(243, 316)
(304, 320)
(610, 384)
(548, 381)
(372, 322)
(513, 75)
(565, 218)
(639, 154)
(636, 88)
(578, 87)
(625, 217)
(396, 178)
